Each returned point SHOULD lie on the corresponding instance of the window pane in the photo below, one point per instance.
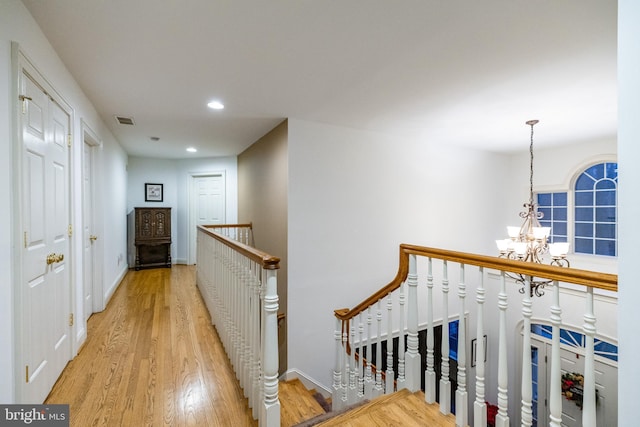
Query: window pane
(542, 330)
(560, 228)
(584, 246)
(584, 198)
(453, 340)
(546, 213)
(584, 214)
(544, 199)
(571, 338)
(605, 349)
(559, 214)
(545, 223)
(606, 247)
(612, 170)
(607, 231)
(605, 184)
(606, 198)
(584, 182)
(560, 199)
(596, 171)
(584, 229)
(606, 214)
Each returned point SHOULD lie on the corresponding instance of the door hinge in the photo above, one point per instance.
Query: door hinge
(24, 99)
(25, 239)
(70, 230)
(70, 319)
(26, 375)
(545, 359)
(69, 140)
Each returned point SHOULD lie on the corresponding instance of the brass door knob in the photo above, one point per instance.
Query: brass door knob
(51, 258)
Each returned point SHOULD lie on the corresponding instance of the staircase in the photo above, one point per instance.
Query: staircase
(301, 408)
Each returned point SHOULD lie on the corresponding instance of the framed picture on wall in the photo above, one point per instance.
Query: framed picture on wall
(152, 192)
(474, 350)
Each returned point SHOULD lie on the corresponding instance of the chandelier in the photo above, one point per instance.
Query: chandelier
(530, 241)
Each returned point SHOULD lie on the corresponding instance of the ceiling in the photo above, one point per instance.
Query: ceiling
(459, 72)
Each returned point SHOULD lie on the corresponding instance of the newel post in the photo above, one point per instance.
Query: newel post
(271, 405)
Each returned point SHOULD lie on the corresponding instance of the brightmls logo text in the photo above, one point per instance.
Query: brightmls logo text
(34, 415)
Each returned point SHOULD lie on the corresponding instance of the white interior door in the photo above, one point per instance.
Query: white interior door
(45, 330)
(88, 238)
(207, 207)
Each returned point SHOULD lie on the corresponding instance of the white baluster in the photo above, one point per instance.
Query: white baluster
(527, 392)
(479, 406)
(555, 388)
(361, 358)
(389, 386)
(255, 350)
(337, 367)
(412, 358)
(445, 384)
(345, 366)
(589, 392)
(271, 414)
(502, 418)
(462, 398)
(402, 381)
(368, 376)
(430, 373)
(353, 391)
(378, 389)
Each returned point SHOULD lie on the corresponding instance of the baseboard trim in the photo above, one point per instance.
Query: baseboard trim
(308, 382)
(114, 286)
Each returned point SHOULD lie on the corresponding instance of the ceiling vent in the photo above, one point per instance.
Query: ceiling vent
(125, 120)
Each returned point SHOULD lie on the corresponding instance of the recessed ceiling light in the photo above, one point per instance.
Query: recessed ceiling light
(215, 105)
(191, 150)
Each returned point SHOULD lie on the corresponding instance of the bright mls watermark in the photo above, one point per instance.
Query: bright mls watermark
(34, 415)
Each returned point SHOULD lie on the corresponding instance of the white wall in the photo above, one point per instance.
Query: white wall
(629, 211)
(175, 177)
(16, 24)
(353, 198)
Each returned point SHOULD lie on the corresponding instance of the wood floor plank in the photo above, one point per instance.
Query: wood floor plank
(153, 358)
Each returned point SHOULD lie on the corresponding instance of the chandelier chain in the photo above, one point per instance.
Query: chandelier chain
(531, 123)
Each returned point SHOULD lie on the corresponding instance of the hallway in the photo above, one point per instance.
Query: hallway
(152, 358)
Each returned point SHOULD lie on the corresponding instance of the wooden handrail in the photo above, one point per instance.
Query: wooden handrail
(249, 225)
(592, 279)
(268, 262)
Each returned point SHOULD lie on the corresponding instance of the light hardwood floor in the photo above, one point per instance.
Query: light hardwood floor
(152, 358)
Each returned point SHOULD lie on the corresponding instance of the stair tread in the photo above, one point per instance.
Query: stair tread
(297, 403)
(402, 408)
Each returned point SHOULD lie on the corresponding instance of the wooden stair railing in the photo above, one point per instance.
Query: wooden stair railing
(242, 233)
(356, 378)
(239, 286)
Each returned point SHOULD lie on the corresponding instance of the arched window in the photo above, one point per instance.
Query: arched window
(593, 227)
(595, 210)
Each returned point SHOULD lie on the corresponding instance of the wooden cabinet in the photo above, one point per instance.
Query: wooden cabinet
(152, 237)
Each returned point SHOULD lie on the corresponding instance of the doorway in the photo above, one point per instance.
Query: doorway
(572, 361)
(207, 205)
(93, 296)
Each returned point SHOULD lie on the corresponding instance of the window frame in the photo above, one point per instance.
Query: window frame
(569, 187)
